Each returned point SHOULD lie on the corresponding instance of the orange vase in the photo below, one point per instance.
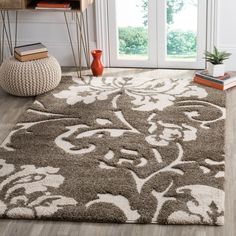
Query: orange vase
(97, 66)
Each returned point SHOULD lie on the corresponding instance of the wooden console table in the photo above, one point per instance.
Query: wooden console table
(78, 8)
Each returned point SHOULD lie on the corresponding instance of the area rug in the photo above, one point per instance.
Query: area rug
(123, 150)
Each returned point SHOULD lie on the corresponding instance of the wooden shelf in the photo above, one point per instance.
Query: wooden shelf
(76, 5)
(9, 4)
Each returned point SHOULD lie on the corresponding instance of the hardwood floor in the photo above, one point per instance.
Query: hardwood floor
(12, 107)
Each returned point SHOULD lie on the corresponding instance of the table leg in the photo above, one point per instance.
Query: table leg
(71, 43)
(16, 28)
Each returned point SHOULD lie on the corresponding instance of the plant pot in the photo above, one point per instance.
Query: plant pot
(216, 70)
(97, 66)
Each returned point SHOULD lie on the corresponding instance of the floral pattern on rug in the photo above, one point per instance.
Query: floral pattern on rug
(147, 94)
(33, 198)
(118, 150)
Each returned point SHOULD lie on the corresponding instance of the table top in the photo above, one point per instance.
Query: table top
(77, 6)
(38, 10)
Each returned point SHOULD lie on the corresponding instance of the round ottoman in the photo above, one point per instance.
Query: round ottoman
(30, 78)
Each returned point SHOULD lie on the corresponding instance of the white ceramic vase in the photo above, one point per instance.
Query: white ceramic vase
(216, 70)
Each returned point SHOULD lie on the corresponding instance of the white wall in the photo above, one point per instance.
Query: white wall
(227, 30)
(50, 29)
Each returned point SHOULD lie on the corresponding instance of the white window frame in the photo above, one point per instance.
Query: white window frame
(102, 32)
(115, 61)
(199, 62)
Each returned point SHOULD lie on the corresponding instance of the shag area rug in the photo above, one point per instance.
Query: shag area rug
(124, 150)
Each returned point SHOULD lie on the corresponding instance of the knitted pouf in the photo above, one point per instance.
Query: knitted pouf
(30, 78)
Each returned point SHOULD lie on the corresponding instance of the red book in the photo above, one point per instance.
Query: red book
(53, 5)
(228, 78)
(212, 84)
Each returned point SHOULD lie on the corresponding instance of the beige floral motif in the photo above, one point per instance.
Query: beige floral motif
(33, 198)
(172, 132)
(85, 94)
(146, 94)
(202, 210)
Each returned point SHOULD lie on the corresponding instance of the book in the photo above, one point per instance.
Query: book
(53, 4)
(228, 78)
(212, 84)
(30, 49)
(52, 8)
(31, 57)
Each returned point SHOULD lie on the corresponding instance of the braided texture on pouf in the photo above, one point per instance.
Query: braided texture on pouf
(30, 78)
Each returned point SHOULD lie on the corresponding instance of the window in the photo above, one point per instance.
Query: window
(164, 33)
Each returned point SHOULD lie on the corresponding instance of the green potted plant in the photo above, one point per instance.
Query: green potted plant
(215, 61)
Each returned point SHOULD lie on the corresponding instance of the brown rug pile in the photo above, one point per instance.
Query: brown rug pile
(119, 150)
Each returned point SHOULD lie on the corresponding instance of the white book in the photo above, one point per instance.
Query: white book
(30, 49)
(50, 8)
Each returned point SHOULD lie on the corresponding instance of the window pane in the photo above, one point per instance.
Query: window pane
(182, 18)
(132, 21)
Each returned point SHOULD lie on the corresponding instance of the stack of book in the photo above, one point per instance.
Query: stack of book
(30, 52)
(222, 83)
(55, 5)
